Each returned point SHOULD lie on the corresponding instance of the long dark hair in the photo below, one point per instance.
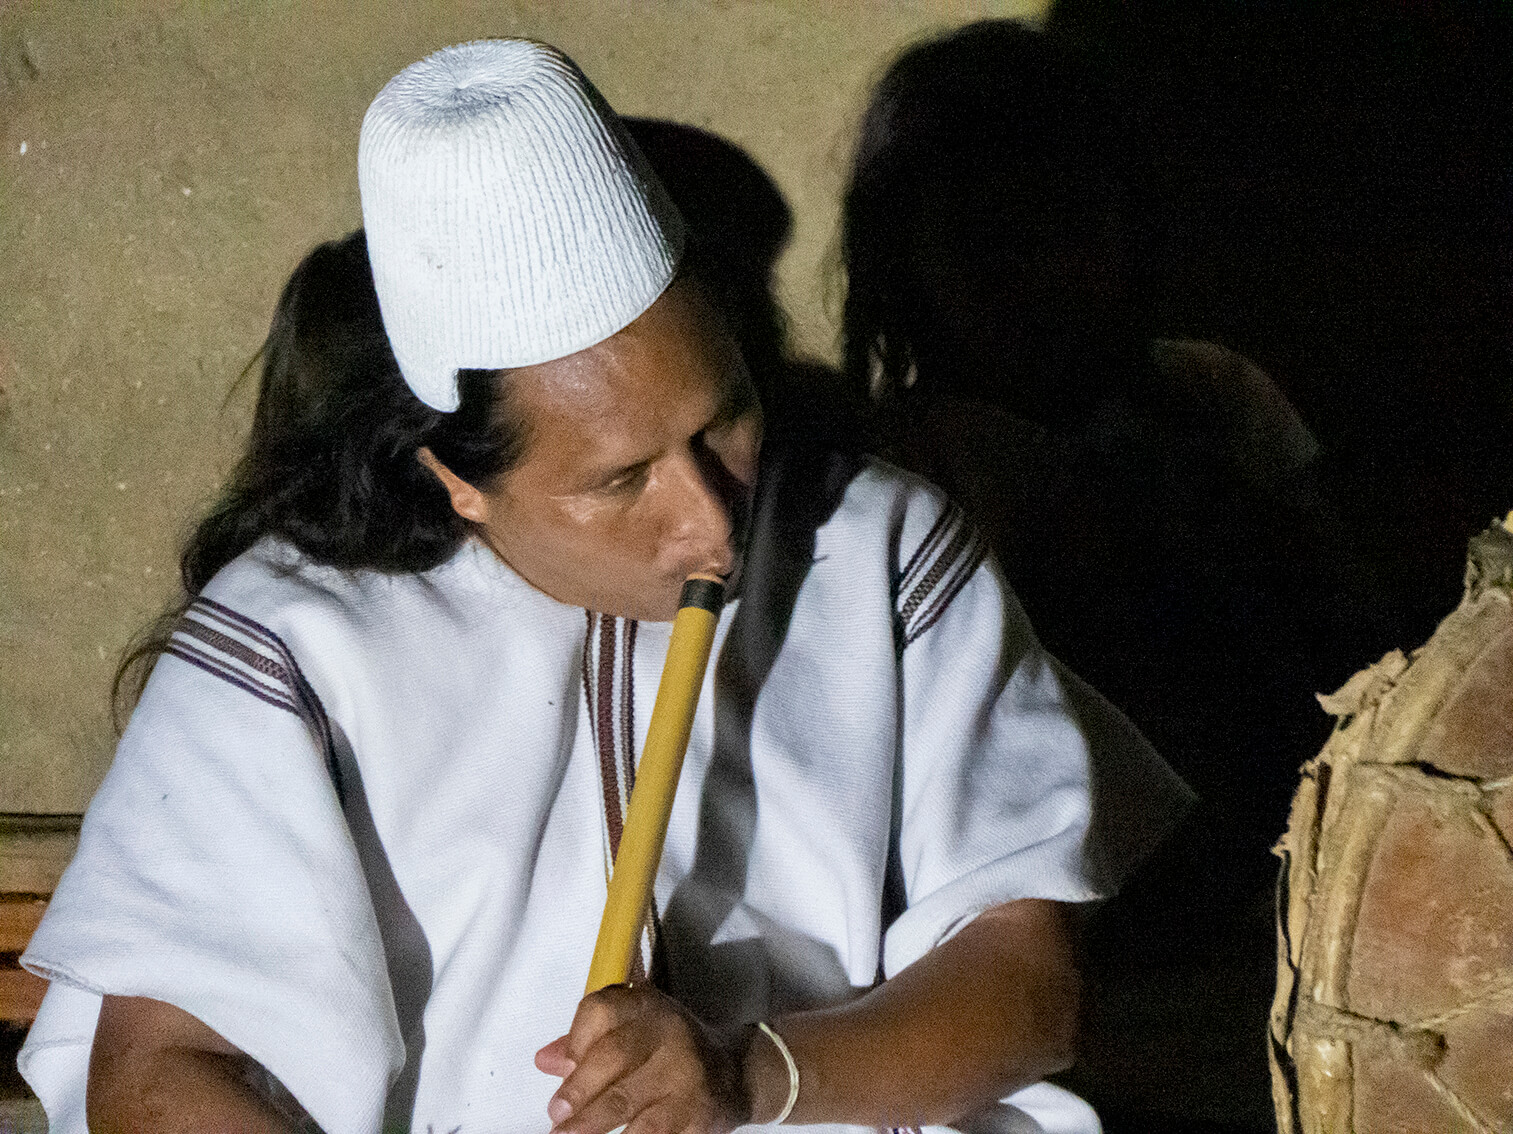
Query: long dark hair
(330, 464)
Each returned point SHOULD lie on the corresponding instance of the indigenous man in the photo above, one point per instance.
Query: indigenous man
(348, 864)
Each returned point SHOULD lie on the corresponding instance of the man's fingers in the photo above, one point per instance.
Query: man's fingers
(635, 1098)
(639, 1064)
(603, 1077)
(598, 1014)
(554, 1060)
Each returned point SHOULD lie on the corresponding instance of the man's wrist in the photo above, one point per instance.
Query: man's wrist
(766, 1076)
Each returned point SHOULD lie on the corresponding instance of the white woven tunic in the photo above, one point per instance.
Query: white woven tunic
(360, 823)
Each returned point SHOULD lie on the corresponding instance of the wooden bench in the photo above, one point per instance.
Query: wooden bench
(34, 849)
(20, 991)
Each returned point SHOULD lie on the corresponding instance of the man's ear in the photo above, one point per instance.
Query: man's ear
(467, 501)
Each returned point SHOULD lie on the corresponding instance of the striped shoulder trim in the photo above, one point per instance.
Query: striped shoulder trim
(251, 657)
(947, 557)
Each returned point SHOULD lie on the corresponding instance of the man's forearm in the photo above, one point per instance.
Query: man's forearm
(155, 1068)
(991, 1010)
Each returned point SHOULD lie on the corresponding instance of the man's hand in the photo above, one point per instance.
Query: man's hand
(991, 1010)
(634, 1056)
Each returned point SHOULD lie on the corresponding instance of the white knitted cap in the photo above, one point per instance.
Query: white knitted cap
(510, 218)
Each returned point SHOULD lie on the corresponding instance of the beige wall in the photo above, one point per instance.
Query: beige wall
(163, 167)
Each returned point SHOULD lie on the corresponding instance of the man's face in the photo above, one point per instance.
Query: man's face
(640, 461)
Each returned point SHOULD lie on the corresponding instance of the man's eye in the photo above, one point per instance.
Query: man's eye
(722, 433)
(629, 481)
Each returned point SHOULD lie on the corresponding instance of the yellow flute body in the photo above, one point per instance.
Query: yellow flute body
(650, 807)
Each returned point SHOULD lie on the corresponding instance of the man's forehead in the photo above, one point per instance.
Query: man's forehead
(677, 350)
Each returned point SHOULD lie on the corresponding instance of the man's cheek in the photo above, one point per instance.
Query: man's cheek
(582, 511)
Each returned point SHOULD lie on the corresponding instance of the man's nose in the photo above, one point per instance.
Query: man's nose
(702, 523)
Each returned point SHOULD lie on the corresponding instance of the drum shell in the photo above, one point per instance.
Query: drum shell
(1394, 1004)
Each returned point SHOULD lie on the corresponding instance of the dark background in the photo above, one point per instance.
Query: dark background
(1326, 189)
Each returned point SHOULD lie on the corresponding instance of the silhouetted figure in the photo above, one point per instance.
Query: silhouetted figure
(1152, 499)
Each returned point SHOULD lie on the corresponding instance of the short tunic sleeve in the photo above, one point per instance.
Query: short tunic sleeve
(215, 872)
(1017, 779)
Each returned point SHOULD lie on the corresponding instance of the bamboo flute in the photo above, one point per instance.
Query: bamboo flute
(635, 868)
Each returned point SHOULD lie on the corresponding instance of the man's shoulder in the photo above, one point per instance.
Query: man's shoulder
(887, 528)
(886, 507)
(282, 593)
(274, 575)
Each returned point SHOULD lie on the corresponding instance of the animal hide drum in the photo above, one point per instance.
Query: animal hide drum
(1394, 1004)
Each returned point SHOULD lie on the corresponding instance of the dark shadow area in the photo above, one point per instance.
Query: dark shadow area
(1326, 188)
(738, 225)
(20, 1112)
(1204, 312)
(407, 953)
(12, 1086)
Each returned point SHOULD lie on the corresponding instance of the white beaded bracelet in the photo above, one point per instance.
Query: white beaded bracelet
(793, 1072)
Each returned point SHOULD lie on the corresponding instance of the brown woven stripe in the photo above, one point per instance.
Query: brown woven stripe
(930, 542)
(966, 566)
(627, 708)
(942, 563)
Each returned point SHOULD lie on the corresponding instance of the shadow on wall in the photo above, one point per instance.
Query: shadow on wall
(739, 224)
(1156, 503)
